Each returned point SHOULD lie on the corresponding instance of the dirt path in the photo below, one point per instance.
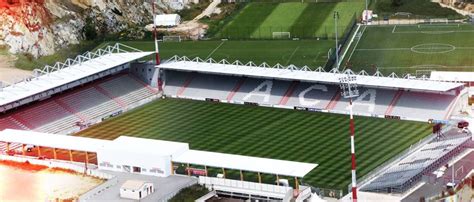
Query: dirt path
(8, 72)
(193, 28)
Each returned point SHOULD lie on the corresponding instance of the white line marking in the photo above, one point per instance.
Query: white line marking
(215, 49)
(393, 30)
(357, 43)
(292, 54)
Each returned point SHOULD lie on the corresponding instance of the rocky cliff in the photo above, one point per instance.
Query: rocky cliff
(40, 27)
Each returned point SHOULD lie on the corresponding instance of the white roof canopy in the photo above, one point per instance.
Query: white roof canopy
(71, 70)
(52, 140)
(304, 74)
(452, 76)
(148, 146)
(246, 163)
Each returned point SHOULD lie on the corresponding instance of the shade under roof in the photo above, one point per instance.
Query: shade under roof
(307, 76)
(246, 163)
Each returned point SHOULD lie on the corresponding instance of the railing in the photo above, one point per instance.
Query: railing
(292, 68)
(262, 189)
(381, 168)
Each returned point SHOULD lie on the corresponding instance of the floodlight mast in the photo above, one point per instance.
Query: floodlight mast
(155, 35)
(336, 17)
(349, 90)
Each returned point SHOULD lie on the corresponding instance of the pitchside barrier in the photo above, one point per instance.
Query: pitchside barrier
(415, 21)
(343, 43)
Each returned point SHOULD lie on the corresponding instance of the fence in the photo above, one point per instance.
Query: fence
(343, 43)
(409, 21)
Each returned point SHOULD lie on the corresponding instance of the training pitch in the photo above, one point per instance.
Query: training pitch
(308, 20)
(313, 53)
(415, 49)
(312, 137)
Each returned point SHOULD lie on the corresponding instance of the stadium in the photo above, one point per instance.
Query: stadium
(270, 118)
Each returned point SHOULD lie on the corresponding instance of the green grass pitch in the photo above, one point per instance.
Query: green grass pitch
(304, 20)
(411, 48)
(312, 53)
(272, 133)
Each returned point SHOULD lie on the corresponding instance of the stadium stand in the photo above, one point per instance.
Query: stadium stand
(62, 113)
(409, 171)
(377, 102)
(423, 105)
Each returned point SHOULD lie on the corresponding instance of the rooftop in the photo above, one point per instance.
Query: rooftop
(71, 70)
(246, 163)
(305, 74)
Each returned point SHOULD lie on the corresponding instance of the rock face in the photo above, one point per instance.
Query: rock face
(40, 27)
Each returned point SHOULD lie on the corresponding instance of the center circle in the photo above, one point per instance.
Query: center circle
(433, 48)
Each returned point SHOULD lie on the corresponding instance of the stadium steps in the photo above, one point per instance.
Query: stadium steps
(236, 88)
(106, 93)
(22, 121)
(70, 109)
(186, 84)
(41, 114)
(334, 100)
(394, 102)
(147, 86)
(127, 89)
(11, 123)
(90, 103)
(289, 93)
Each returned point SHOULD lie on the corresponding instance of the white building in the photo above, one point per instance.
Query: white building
(167, 20)
(136, 190)
(138, 155)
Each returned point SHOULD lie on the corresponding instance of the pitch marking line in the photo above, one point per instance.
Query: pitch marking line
(215, 49)
(393, 30)
(292, 54)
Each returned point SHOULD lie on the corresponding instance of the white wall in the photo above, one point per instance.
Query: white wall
(151, 164)
(130, 194)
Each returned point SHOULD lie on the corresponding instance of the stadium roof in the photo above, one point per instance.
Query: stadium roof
(52, 140)
(305, 74)
(71, 70)
(452, 76)
(245, 163)
(148, 146)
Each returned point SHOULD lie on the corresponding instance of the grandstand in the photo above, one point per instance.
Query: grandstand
(65, 101)
(409, 170)
(291, 87)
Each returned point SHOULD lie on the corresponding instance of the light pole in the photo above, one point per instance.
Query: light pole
(349, 90)
(336, 17)
(155, 35)
(367, 11)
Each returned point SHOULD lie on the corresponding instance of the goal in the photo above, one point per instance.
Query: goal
(437, 21)
(281, 35)
(171, 38)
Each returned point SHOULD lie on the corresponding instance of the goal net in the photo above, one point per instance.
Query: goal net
(281, 35)
(171, 38)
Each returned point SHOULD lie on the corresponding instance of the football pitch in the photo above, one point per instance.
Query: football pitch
(305, 20)
(313, 53)
(311, 137)
(415, 49)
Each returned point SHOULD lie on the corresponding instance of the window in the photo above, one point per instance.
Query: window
(136, 169)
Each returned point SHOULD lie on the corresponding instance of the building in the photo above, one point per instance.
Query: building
(134, 189)
(167, 20)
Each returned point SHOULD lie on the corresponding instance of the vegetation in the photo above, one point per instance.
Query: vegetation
(190, 194)
(193, 10)
(417, 9)
(406, 49)
(312, 137)
(303, 20)
(28, 62)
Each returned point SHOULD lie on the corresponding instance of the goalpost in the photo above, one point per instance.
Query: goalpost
(281, 35)
(173, 38)
(439, 21)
